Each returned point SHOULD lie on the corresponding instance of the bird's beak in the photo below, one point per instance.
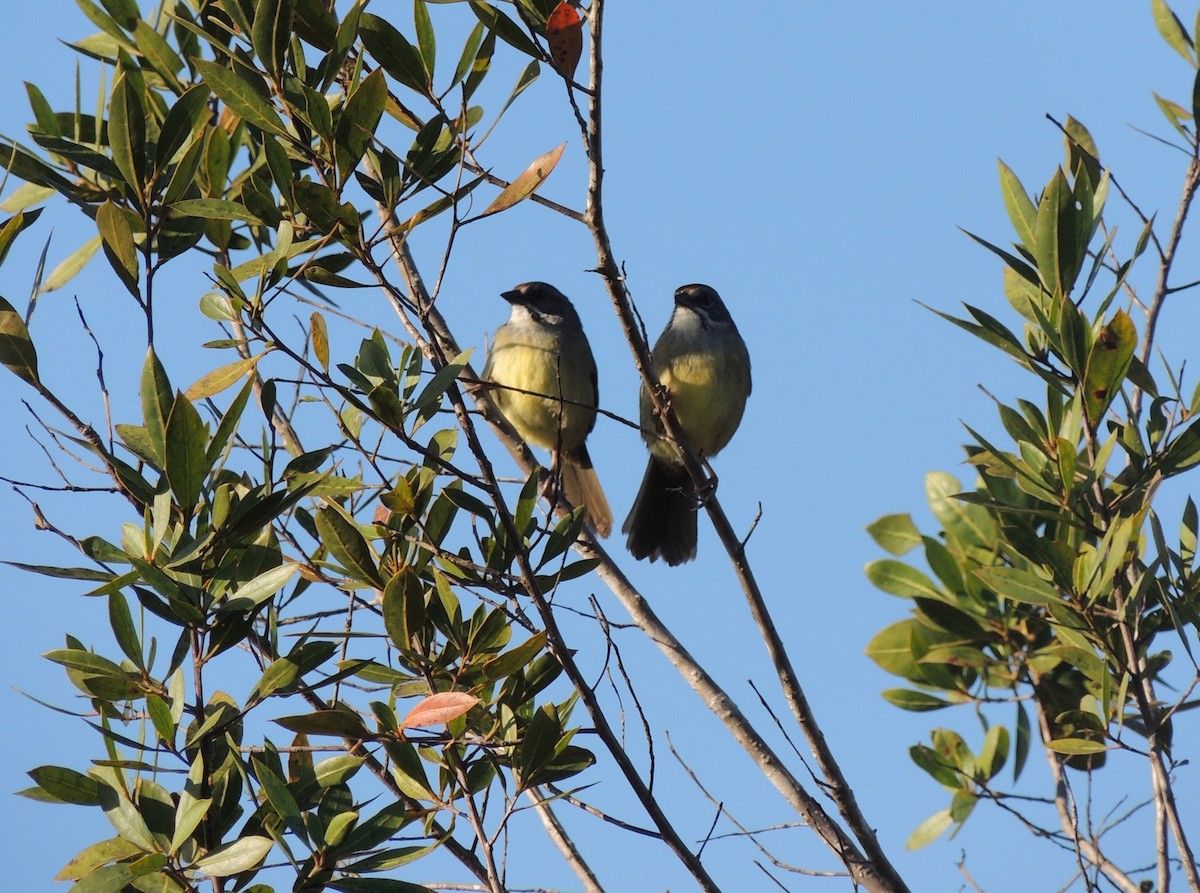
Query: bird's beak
(513, 297)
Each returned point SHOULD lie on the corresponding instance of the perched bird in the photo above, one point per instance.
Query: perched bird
(547, 390)
(703, 363)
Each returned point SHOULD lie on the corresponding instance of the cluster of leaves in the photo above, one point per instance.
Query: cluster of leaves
(1053, 578)
(222, 133)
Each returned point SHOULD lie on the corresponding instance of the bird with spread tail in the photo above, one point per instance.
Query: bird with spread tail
(545, 385)
(702, 361)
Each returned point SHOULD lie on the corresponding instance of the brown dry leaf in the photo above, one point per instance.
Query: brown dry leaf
(439, 708)
(526, 184)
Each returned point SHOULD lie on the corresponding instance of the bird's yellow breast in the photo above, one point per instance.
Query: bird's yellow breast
(520, 363)
(708, 390)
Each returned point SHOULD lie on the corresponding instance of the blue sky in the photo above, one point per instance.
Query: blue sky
(814, 163)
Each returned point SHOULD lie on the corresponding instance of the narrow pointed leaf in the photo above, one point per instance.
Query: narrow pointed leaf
(526, 184)
(71, 264)
(1172, 30)
(240, 97)
(219, 379)
(186, 452)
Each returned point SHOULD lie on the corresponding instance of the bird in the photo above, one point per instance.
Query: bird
(545, 385)
(702, 361)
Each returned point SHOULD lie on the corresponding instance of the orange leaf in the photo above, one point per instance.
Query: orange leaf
(439, 708)
(564, 33)
(526, 184)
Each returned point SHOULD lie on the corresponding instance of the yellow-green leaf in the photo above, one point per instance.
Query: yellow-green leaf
(1107, 364)
(220, 379)
(320, 339)
(71, 264)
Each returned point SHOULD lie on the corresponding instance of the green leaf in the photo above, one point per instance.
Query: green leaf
(1172, 30)
(124, 12)
(338, 723)
(391, 49)
(188, 816)
(346, 543)
(430, 397)
(21, 221)
(916, 701)
(1107, 364)
(470, 52)
(127, 134)
(994, 752)
(537, 746)
(16, 347)
(70, 265)
(121, 812)
(240, 97)
(228, 424)
(516, 659)
(219, 379)
(157, 398)
(106, 879)
(929, 830)
(96, 855)
(375, 884)
(253, 593)
(505, 28)
(426, 40)
(84, 662)
(1181, 454)
(970, 524)
(234, 858)
(1021, 211)
(896, 534)
(404, 608)
(407, 770)
(66, 785)
(1082, 151)
(28, 167)
(119, 247)
(156, 51)
(358, 122)
(336, 770)
(1024, 738)
(280, 798)
(65, 573)
(1075, 746)
(1047, 241)
(186, 452)
(898, 578)
(123, 629)
(214, 209)
(1019, 585)
(271, 34)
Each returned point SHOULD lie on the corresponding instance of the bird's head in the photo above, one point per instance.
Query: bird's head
(543, 302)
(704, 301)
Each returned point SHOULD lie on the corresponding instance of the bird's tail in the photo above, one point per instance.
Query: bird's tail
(582, 487)
(662, 522)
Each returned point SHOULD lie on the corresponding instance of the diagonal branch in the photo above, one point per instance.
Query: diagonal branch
(839, 789)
